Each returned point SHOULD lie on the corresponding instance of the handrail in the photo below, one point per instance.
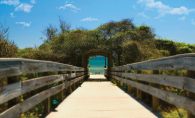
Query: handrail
(178, 62)
(17, 66)
(13, 67)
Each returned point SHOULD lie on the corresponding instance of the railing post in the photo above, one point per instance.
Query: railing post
(16, 100)
(69, 87)
(77, 84)
(74, 86)
(46, 102)
(139, 92)
(60, 99)
(155, 100)
(129, 87)
(123, 86)
(191, 95)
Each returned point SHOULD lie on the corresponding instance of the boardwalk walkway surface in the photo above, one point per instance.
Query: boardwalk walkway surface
(97, 78)
(101, 100)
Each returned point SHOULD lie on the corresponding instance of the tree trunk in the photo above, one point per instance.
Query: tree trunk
(119, 58)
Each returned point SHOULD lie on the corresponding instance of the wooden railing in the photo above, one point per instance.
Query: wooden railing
(105, 71)
(179, 62)
(97, 73)
(11, 68)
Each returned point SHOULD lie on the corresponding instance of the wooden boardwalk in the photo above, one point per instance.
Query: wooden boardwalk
(100, 78)
(101, 100)
(97, 77)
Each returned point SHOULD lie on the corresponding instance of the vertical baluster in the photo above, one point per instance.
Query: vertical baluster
(139, 92)
(129, 87)
(60, 94)
(11, 80)
(191, 95)
(155, 100)
(46, 102)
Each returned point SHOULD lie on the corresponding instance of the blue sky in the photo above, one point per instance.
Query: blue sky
(171, 19)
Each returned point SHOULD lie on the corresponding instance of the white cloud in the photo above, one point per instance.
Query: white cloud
(165, 9)
(12, 14)
(24, 23)
(73, 8)
(10, 2)
(33, 1)
(143, 14)
(90, 19)
(193, 22)
(179, 11)
(24, 7)
(183, 18)
(159, 5)
(134, 7)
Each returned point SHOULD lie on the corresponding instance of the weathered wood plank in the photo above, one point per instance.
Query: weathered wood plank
(30, 102)
(155, 100)
(185, 62)
(16, 100)
(139, 92)
(32, 84)
(174, 81)
(180, 101)
(13, 66)
(79, 74)
(9, 92)
(190, 94)
(8, 69)
(46, 102)
(60, 94)
(13, 112)
(14, 90)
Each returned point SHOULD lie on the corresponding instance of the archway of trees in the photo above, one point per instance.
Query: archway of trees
(94, 52)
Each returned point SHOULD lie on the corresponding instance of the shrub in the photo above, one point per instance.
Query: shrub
(8, 49)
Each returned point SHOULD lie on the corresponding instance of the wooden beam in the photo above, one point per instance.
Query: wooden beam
(129, 87)
(16, 89)
(181, 82)
(139, 92)
(180, 101)
(9, 92)
(191, 95)
(15, 111)
(18, 66)
(14, 81)
(46, 102)
(178, 62)
(155, 100)
(60, 94)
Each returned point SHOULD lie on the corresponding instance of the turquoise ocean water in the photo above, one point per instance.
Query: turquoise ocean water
(97, 64)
